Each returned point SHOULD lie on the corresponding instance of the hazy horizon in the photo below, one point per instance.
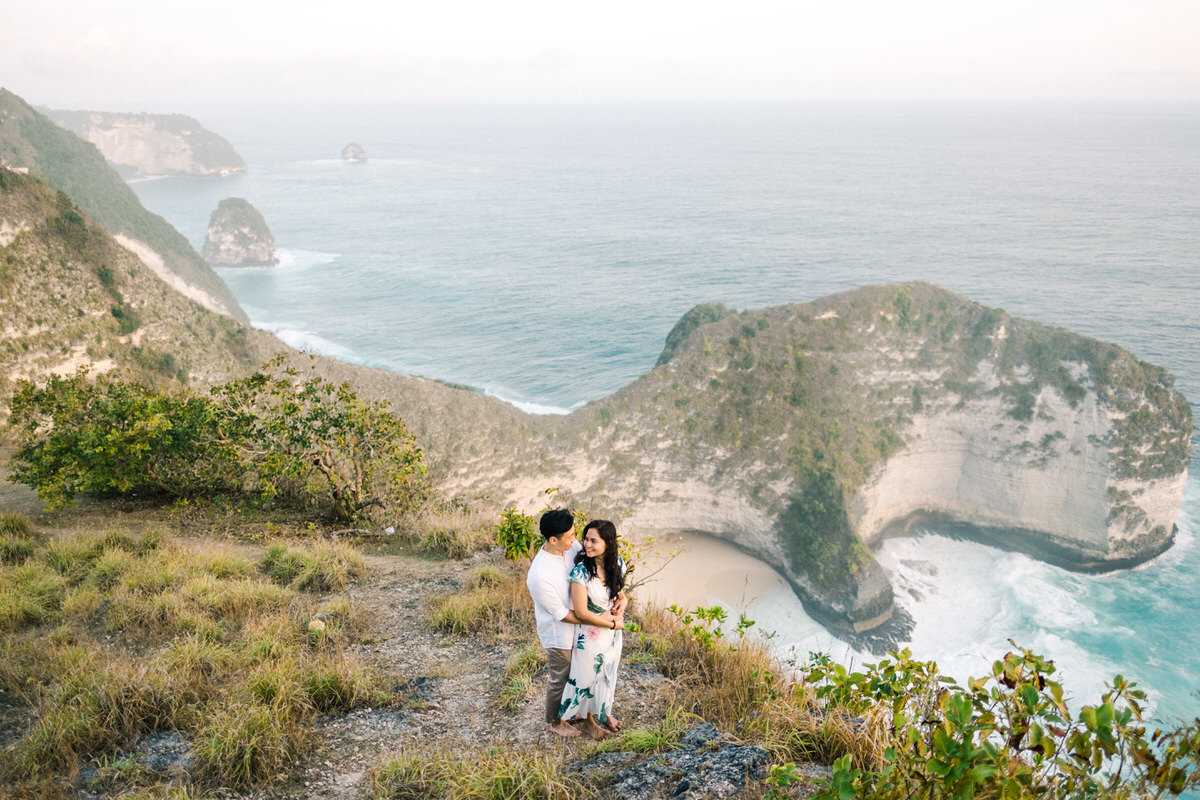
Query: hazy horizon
(134, 56)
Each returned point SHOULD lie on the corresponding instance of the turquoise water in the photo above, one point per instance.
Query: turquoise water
(543, 254)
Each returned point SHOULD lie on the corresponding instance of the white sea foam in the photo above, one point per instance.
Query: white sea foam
(531, 408)
(464, 247)
(294, 259)
(307, 341)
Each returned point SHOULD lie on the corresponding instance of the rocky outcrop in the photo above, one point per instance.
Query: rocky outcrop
(353, 152)
(238, 236)
(152, 144)
(700, 767)
(804, 434)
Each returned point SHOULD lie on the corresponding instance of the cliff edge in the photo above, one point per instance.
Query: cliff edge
(30, 141)
(806, 433)
(140, 144)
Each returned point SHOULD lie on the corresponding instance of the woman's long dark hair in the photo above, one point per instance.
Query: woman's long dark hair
(614, 578)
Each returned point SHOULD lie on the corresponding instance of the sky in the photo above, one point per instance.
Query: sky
(166, 55)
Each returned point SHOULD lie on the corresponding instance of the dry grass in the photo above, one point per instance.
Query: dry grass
(517, 685)
(317, 567)
(453, 531)
(495, 603)
(488, 775)
(247, 665)
(742, 687)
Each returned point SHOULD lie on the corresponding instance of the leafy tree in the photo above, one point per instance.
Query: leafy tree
(516, 533)
(290, 431)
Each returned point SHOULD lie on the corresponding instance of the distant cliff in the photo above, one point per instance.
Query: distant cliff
(152, 144)
(238, 236)
(30, 140)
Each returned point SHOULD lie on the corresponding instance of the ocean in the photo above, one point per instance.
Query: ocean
(542, 254)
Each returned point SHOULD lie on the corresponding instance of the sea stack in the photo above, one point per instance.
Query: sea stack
(238, 237)
(354, 152)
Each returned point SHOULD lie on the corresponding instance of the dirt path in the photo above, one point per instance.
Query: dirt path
(453, 679)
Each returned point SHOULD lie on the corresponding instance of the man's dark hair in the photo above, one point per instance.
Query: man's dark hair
(556, 522)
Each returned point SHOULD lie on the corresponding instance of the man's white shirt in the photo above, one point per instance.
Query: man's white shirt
(550, 588)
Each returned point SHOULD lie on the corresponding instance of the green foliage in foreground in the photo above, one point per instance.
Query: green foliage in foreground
(1009, 734)
(516, 533)
(278, 434)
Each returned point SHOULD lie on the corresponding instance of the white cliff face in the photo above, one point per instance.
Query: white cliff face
(805, 434)
(153, 144)
(141, 146)
(1050, 476)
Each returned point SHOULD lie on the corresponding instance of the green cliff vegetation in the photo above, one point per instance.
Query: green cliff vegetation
(835, 382)
(72, 295)
(29, 139)
(793, 407)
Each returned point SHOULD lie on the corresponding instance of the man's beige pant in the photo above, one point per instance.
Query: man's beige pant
(558, 665)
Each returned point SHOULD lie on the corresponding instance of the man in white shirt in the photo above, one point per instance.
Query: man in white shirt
(549, 585)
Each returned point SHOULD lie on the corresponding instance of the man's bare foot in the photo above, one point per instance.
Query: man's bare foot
(612, 723)
(593, 729)
(564, 730)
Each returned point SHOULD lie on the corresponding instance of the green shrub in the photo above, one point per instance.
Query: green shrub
(516, 533)
(1008, 734)
(306, 442)
(293, 431)
(114, 437)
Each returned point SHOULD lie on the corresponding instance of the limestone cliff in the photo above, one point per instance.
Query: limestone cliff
(152, 144)
(238, 236)
(802, 433)
(806, 433)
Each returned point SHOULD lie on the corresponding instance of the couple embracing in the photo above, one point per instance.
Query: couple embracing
(579, 602)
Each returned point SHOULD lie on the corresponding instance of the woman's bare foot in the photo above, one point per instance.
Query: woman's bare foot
(593, 729)
(564, 730)
(612, 723)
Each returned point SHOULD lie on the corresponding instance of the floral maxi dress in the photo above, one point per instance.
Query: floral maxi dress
(595, 659)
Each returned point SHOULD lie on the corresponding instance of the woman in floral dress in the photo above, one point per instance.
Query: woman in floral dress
(597, 583)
